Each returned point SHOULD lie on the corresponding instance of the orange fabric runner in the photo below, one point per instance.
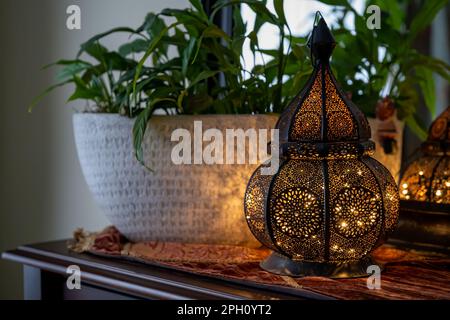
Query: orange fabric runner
(407, 275)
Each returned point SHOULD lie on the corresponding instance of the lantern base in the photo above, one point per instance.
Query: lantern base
(282, 265)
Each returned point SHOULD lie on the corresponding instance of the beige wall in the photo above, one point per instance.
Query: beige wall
(43, 195)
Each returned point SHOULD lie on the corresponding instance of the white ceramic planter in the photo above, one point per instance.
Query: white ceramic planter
(181, 203)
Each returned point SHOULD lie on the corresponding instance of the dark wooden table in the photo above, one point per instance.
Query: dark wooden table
(45, 275)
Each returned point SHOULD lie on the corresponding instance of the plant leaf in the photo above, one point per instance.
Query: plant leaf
(214, 31)
(64, 62)
(198, 103)
(153, 43)
(82, 91)
(71, 69)
(136, 46)
(259, 7)
(140, 127)
(94, 49)
(343, 3)
(279, 9)
(198, 5)
(187, 52)
(425, 16)
(44, 93)
(416, 128)
(203, 76)
(88, 44)
(426, 83)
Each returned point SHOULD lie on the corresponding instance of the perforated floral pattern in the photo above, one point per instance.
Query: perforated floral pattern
(300, 185)
(307, 120)
(297, 213)
(341, 125)
(254, 206)
(329, 201)
(355, 212)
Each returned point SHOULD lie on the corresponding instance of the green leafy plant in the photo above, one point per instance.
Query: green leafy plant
(207, 54)
(375, 63)
(192, 66)
(205, 75)
(101, 82)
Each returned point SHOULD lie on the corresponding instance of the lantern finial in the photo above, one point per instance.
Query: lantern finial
(321, 42)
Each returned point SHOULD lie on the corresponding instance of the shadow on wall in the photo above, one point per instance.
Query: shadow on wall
(43, 193)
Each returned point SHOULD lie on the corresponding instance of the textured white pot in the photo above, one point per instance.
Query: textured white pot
(181, 203)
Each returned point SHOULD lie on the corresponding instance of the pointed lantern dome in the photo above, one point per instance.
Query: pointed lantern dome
(321, 120)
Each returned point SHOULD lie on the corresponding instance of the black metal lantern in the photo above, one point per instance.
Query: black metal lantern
(329, 204)
(427, 178)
